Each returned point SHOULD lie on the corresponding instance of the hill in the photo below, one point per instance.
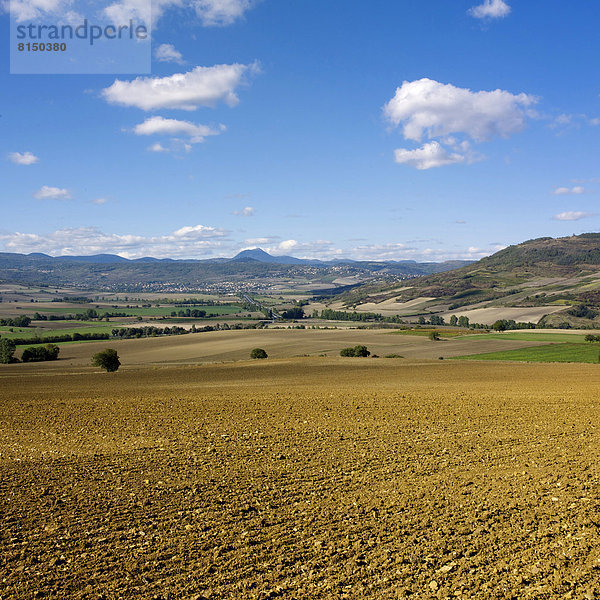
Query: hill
(548, 278)
(249, 270)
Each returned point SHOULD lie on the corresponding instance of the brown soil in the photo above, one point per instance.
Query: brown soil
(304, 478)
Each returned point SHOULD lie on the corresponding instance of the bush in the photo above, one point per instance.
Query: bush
(583, 312)
(356, 351)
(434, 336)
(393, 356)
(39, 354)
(258, 353)
(107, 359)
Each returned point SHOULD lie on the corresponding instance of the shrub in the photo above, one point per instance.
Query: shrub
(434, 336)
(258, 353)
(393, 356)
(356, 351)
(107, 359)
(39, 354)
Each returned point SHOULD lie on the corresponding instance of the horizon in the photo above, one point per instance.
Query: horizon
(341, 259)
(321, 131)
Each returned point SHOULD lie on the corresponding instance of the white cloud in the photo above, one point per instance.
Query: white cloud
(186, 242)
(247, 211)
(573, 215)
(24, 158)
(428, 156)
(400, 251)
(157, 147)
(490, 9)
(221, 12)
(26, 10)
(162, 126)
(211, 12)
(561, 191)
(168, 53)
(52, 193)
(202, 86)
(428, 108)
(100, 201)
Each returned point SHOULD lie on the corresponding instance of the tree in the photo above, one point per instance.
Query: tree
(434, 336)
(359, 350)
(499, 326)
(463, 321)
(258, 353)
(40, 353)
(7, 349)
(293, 313)
(107, 359)
(453, 320)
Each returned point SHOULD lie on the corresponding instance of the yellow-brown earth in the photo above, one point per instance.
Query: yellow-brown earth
(303, 478)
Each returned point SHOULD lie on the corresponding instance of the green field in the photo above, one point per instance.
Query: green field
(153, 311)
(565, 352)
(32, 332)
(528, 336)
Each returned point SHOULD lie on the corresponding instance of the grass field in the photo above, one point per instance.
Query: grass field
(309, 478)
(31, 332)
(153, 311)
(583, 353)
(537, 336)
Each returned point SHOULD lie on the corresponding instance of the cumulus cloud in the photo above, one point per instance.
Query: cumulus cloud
(52, 193)
(202, 86)
(247, 211)
(428, 156)
(428, 109)
(573, 215)
(186, 242)
(174, 127)
(490, 9)
(23, 158)
(561, 191)
(168, 53)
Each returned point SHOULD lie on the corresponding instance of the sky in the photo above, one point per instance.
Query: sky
(381, 130)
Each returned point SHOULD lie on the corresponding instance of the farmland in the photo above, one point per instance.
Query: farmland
(582, 353)
(300, 478)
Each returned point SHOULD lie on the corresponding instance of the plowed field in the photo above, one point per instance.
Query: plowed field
(305, 478)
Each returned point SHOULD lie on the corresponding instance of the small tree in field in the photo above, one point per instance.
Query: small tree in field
(107, 359)
(356, 351)
(258, 353)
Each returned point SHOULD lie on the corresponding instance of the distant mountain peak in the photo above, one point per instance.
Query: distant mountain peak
(259, 255)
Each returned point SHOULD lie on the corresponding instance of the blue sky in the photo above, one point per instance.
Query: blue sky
(381, 130)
